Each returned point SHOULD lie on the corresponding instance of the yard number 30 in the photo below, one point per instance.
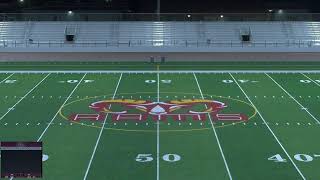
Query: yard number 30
(166, 157)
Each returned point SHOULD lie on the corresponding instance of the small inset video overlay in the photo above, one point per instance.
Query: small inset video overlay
(21, 159)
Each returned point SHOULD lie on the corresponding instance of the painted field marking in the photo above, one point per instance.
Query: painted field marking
(102, 128)
(6, 78)
(214, 131)
(74, 89)
(275, 137)
(9, 110)
(304, 108)
(311, 80)
(171, 72)
(158, 129)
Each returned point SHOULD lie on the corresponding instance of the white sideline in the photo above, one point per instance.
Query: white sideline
(265, 123)
(24, 96)
(166, 71)
(102, 128)
(313, 117)
(214, 131)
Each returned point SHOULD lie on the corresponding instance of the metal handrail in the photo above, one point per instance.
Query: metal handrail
(152, 43)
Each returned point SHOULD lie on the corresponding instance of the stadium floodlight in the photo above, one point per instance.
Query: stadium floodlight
(70, 12)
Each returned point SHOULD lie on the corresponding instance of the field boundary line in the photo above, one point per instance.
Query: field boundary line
(100, 133)
(24, 96)
(273, 134)
(6, 78)
(214, 131)
(301, 106)
(161, 71)
(74, 89)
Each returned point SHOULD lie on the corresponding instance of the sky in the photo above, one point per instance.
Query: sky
(224, 5)
(167, 6)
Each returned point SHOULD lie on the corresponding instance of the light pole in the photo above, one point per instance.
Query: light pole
(158, 10)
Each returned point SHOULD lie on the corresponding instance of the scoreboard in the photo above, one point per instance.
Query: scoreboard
(21, 159)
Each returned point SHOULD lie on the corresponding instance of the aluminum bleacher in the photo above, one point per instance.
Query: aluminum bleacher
(157, 33)
(11, 31)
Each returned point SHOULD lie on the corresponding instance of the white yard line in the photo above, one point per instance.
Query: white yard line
(24, 97)
(6, 78)
(266, 124)
(168, 71)
(311, 79)
(302, 107)
(102, 128)
(59, 110)
(158, 129)
(74, 89)
(215, 133)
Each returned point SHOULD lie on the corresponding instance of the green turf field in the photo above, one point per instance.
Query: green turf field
(160, 124)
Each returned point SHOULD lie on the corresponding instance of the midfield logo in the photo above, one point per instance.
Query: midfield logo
(141, 110)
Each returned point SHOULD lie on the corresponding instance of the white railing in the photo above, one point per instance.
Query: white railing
(159, 43)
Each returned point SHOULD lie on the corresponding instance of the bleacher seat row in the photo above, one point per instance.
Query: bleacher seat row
(147, 31)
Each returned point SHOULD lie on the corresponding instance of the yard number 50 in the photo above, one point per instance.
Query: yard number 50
(166, 157)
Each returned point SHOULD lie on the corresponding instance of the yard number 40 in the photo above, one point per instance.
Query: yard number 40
(166, 157)
(298, 157)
